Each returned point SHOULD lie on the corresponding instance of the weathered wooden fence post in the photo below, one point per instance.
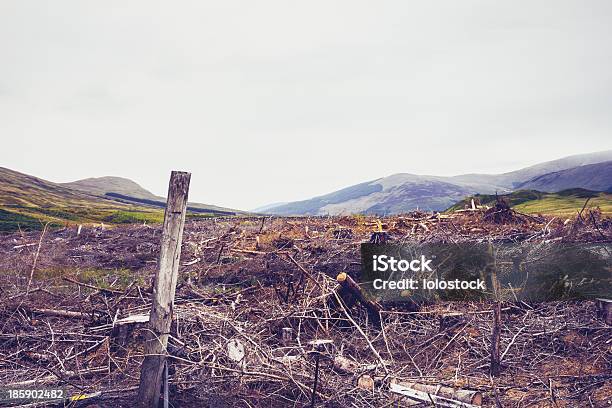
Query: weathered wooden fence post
(495, 340)
(495, 366)
(163, 291)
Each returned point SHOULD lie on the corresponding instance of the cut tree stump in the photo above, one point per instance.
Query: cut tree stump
(604, 310)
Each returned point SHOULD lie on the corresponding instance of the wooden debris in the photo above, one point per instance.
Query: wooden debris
(365, 382)
(437, 394)
(604, 309)
(436, 345)
(349, 286)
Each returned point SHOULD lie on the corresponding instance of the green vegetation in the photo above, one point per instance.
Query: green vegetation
(131, 217)
(120, 278)
(566, 202)
(195, 216)
(117, 279)
(10, 221)
(28, 203)
(34, 218)
(566, 205)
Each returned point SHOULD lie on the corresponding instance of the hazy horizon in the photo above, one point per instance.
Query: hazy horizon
(280, 101)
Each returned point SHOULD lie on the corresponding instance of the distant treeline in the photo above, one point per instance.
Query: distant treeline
(162, 204)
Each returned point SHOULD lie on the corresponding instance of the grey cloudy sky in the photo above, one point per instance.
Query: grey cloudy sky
(267, 101)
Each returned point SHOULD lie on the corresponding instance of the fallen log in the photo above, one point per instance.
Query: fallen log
(348, 285)
(61, 313)
(440, 395)
(61, 376)
(344, 365)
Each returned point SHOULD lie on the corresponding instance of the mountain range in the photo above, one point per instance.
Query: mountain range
(404, 192)
(28, 202)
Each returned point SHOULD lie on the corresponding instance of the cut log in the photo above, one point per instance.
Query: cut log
(345, 365)
(62, 313)
(365, 382)
(348, 285)
(61, 376)
(440, 395)
(123, 329)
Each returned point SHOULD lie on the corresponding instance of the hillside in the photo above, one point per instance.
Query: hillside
(389, 195)
(101, 185)
(514, 179)
(127, 191)
(28, 202)
(566, 202)
(597, 177)
(405, 192)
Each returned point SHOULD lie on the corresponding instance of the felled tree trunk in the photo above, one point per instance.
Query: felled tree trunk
(440, 395)
(350, 292)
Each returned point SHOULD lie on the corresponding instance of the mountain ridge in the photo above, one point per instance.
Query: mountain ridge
(28, 202)
(126, 190)
(403, 192)
(596, 177)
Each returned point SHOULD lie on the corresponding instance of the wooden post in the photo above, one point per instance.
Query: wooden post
(163, 291)
(495, 340)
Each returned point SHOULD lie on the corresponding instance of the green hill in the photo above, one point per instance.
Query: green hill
(27, 203)
(129, 192)
(566, 202)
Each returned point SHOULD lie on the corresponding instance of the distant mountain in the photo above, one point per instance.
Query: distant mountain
(27, 202)
(514, 179)
(20, 190)
(405, 192)
(597, 177)
(389, 195)
(101, 185)
(127, 191)
(265, 208)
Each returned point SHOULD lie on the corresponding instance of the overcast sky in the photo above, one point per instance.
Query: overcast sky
(277, 101)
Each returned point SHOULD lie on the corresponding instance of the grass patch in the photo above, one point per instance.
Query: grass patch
(118, 279)
(566, 202)
(196, 216)
(57, 213)
(568, 205)
(132, 217)
(12, 221)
